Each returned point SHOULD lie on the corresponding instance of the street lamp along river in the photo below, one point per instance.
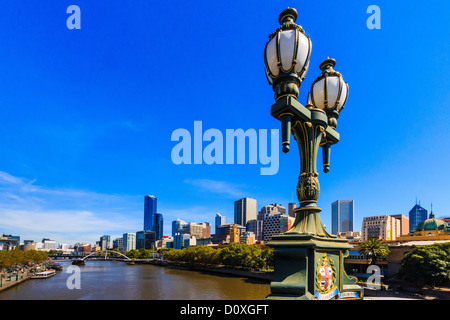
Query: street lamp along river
(309, 262)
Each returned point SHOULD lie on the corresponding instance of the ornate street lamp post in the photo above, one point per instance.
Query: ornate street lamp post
(308, 260)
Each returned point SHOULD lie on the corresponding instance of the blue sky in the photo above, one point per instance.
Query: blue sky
(86, 116)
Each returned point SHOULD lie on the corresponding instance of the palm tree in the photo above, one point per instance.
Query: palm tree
(375, 249)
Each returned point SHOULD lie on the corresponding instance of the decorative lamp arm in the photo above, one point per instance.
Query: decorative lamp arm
(286, 119)
(326, 151)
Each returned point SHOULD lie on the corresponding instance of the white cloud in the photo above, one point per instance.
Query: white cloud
(31, 210)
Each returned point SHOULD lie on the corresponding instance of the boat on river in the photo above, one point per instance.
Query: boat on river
(43, 274)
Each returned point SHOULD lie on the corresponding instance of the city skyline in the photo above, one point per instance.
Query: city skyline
(86, 116)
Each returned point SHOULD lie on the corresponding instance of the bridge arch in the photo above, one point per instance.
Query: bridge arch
(110, 251)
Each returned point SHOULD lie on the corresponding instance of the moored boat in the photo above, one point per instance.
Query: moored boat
(43, 274)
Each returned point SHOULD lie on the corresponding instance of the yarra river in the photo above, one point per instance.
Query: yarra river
(117, 280)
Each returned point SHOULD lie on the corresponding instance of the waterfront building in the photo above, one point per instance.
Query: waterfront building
(63, 246)
(82, 247)
(416, 215)
(380, 227)
(178, 226)
(9, 242)
(158, 223)
(129, 241)
(104, 242)
(183, 240)
(229, 232)
(244, 210)
(219, 220)
(145, 240)
(118, 244)
(150, 206)
(342, 216)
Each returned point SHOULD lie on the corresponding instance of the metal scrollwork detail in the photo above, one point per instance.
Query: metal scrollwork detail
(308, 187)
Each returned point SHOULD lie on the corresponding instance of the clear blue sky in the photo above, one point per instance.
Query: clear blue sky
(86, 116)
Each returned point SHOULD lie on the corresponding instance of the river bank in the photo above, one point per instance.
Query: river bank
(259, 275)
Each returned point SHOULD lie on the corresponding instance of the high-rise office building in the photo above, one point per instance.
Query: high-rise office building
(219, 220)
(158, 222)
(416, 215)
(244, 210)
(342, 216)
(149, 210)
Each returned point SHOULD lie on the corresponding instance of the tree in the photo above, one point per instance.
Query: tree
(375, 249)
(428, 265)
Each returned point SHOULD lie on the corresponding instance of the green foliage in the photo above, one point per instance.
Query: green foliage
(375, 249)
(19, 257)
(429, 265)
(234, 255)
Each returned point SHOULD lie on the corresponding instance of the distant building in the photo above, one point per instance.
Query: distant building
(229, 232)
(9, 242)
(244, 210)
(256, 227)
(404, 223)
(129, 241)
(48, 244)
(276, 223)
(342, 216)
(178, 226)
(247, 238)
(351, 235)
(429, 229)
(291, 208)
(145, 240)
(158, 223)
(380, 227)
(118, 244)
(219, 220)
(105, 242)
(183, 240)
(416, 215)
(150, 206)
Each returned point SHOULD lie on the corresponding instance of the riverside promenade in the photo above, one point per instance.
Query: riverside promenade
(14, 279)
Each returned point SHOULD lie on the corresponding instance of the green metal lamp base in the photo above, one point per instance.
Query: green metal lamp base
(310, 266)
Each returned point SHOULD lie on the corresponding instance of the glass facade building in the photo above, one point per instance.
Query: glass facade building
(145, 240)
(416, 215)
(158, 222)
(149, 210)
(342, 216)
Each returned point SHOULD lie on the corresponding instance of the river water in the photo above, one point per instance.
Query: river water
(118, 281)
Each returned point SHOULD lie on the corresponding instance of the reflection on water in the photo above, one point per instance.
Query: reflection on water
(117, 280)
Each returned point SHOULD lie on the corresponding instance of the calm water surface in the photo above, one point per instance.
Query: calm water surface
(117, 280)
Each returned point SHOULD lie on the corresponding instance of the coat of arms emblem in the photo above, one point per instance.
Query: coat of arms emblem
(326, 278)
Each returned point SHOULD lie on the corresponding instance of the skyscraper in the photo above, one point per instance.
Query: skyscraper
(158, 222)
(342, 216)
(244, 210)
(416, 215)
(149, 211)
